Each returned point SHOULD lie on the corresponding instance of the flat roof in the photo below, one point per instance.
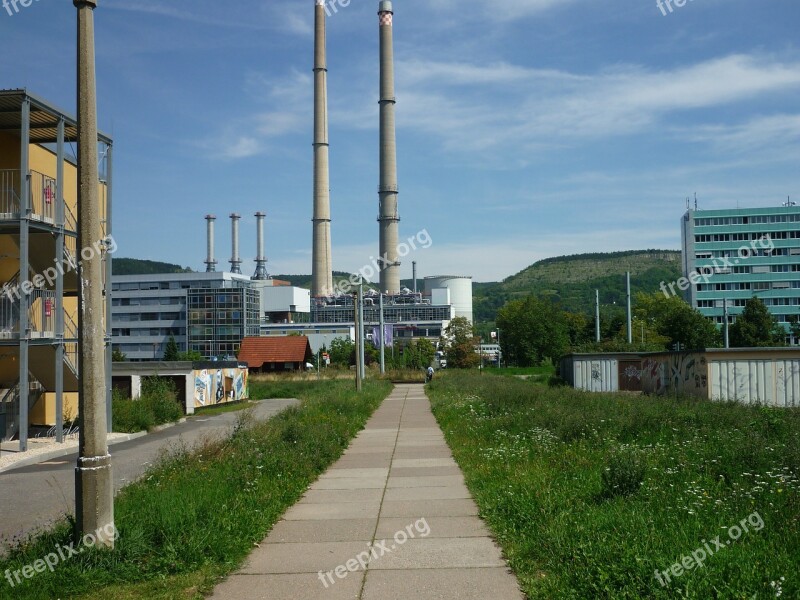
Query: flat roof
(44, 118)
(199, 276)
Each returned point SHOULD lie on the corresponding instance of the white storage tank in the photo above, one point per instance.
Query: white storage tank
(460, 292)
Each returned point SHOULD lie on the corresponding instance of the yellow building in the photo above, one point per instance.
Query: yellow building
(39, 254)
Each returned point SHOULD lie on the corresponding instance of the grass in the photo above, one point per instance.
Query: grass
(195, 516)
(221, 409)
(590, 495)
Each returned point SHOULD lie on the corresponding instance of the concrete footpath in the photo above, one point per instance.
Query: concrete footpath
(391, 519)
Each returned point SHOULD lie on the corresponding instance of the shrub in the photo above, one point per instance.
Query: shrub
(623, 476)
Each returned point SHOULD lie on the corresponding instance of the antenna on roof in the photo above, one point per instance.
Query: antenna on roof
(687, 202)
(789, 201)
(695, 200)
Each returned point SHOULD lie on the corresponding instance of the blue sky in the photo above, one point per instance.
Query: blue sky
(526, 128)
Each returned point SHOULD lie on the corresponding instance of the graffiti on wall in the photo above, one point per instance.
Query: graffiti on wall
(218, 386)
(681, 374)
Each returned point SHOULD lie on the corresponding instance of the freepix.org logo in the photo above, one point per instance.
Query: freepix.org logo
(13, 6)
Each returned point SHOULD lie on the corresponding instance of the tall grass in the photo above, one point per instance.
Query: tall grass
(589, 495)
(196, 515)
(157, 405)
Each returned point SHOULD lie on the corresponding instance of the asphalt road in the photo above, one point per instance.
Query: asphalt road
(33, 497)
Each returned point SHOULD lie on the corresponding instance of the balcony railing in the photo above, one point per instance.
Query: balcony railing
(9, 194)
(43, 199)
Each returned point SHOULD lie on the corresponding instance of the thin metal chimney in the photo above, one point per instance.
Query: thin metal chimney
(261, 260)
(414, 274)
(211, 262)
(236, 262)
(321, 261)
(388, 216)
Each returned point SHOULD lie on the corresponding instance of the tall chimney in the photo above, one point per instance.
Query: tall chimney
(321, 261)
(261, 260)
(387, 190)
(236, 263)
(414, 274)
(211, 262)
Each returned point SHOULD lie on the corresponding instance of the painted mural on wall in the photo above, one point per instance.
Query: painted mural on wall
(219, 386)
(681, 374)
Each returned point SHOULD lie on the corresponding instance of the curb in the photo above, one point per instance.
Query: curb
(58, 453)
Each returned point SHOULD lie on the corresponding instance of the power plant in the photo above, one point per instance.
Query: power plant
(321, 262)
(388, 218)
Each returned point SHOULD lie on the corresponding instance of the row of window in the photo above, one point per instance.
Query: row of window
(740, 302)
(152, 332)
(756, 286)
(143, 317)
(161, 301)
(761, 238)
(753, 220)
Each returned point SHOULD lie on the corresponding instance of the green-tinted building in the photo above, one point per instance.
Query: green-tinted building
(732, 255)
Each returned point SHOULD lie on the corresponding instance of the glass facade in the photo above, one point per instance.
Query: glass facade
(218, 320)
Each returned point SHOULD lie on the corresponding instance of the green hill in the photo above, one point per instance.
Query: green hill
(572, 280)
(134, 266)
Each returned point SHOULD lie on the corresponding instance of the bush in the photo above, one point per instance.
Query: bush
(157, 405)
(623, 476)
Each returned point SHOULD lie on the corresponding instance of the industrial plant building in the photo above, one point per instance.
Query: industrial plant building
(209, 312)
(733, 255)
(38, 261)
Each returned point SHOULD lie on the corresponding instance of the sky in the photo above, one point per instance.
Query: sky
(526, 128)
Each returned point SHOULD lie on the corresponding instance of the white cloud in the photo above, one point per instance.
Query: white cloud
(502, 10)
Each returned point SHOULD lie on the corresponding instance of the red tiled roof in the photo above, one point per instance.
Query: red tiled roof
(258, 351)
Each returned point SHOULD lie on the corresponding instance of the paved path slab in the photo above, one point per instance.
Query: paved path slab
(391, 519)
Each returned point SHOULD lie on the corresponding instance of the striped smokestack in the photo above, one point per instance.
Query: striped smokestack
(387, 190)
(321, 262)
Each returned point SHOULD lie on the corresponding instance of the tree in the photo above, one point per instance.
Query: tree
(676, 322)
(118, 355)
(171, 351)
(534, 330)
(190, 356)
(756, 327)
(343, 352)
(794, 324)
(459, 343)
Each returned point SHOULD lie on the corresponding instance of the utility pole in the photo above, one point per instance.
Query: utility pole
(383, 337)
(630, 318)
(359, 326)
(362, 345)
(597, 315)
(94, 495)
